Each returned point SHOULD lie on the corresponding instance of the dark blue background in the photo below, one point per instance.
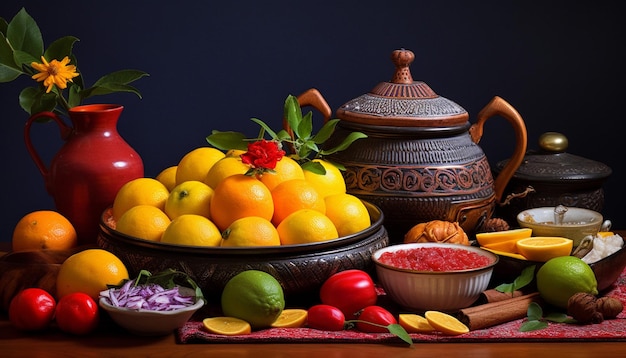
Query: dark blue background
(214, 65)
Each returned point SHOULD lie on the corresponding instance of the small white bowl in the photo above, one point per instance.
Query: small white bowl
(446, 291)
(148, 322)
(577, 222)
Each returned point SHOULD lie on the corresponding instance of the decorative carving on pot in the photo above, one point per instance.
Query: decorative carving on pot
(549, 176)
(421, 160)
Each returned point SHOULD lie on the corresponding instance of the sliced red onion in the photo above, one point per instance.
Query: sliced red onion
(151, 297)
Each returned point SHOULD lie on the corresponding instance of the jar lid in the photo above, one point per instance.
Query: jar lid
(551, 164)
(403, 102)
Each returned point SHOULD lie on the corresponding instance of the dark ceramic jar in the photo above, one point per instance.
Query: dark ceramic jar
(420, 160)
(549, 176)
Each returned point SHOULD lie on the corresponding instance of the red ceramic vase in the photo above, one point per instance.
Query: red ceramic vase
(92, 165)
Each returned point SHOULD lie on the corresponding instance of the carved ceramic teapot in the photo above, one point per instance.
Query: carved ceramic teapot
(421, 160)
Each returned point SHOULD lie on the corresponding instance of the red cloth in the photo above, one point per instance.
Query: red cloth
(609, 330)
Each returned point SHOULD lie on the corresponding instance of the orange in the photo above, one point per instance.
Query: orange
(196, 164)
(488, 238)
(293, 195)
(226, 326)
(42, 230)
(167, 177)
(306, 226)
(445, 323)
(414, 323)
(90, 271)
(144, 222)
(192, 230)
(327, 184)
(348, 213)
(250, 231)
(140, 191)
(238, 196)
(190, 197)
(286, 169)
(543, 248)
(223, 168)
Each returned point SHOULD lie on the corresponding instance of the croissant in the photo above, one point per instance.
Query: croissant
(437, 231)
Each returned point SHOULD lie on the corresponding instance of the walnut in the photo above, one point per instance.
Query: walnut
(582, 307)
(609, 307)
(437, 231)
(494, 224)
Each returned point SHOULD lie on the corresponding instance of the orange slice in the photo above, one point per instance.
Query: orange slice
(504, 253)
(226, 326)
(543, 248)
(414, 323)
(488, 238)
(291, 318)
(445, 323)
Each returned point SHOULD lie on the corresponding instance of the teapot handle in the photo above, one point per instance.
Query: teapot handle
(498, 106)
(65, 132)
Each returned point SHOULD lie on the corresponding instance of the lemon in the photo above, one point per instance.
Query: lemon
(226, 326)
(140, 191)
(250, 231)
(306, 226)
(167, 177)
(193, 230)
(414, 323)
(253, 296)
(143, 221)
(223, 168)
(196, 164)
(348, 213)
(286, 169)
(190, 197)
(561, 277)
(487, 238)
(327, 184)
(445, 323)
(542, 249)
(291, 318)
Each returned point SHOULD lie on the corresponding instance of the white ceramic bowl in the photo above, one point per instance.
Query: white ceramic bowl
(577, 222)
(446, 291)
(147, 322)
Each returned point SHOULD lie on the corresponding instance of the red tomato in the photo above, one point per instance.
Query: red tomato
(377, 315)
(77, 313)
(325, 318)
(350, 291)
(32, 309)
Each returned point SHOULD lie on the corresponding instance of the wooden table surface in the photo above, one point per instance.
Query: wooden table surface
(111, 341)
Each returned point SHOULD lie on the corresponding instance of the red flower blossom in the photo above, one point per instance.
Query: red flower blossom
(263, 154)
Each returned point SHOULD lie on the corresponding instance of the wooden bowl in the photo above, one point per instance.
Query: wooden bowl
(301, 269)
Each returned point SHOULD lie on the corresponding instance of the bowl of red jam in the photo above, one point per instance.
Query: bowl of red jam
(434, 276)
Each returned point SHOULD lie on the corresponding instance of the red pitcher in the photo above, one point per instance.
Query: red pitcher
(89, 169)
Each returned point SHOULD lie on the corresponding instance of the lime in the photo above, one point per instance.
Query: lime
(255, 297)
(561, 277)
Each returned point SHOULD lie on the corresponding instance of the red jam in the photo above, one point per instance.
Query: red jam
(434, 259)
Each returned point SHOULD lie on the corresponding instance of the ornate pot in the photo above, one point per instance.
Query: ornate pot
(421, 160)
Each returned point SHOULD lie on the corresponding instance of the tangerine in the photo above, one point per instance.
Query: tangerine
(43, 229)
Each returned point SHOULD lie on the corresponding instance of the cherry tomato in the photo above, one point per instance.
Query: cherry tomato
(77, 313)
(32, 309)
(350, 291)
(325, 318)
(377, 315)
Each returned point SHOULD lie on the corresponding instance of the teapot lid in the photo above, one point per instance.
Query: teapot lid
(551, 164)
(403, 102)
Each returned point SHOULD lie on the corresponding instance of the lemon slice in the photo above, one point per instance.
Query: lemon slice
(226, 326)
(414, 323)
(445, 323)
(543, 248)
(291, 318)
(488, 238)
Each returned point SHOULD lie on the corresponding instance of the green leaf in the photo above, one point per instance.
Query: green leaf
(108, 88)
(227, 140)
(534, 311)
(305, 128)
(120, 77)
(399, 331)
(74, 98)
(269, 130)
(353, 136)
(8, 74)
(24, 59)
(532, 326)
(24, 34)
(559, 317)
(35, 100)
(314, 167)
(3, 26)
(293, 114)
(6, 55)
(283, 135)
(526, 277)
(60, 48)
(326, 131)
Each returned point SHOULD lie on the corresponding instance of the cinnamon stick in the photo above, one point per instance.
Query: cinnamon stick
(493, 295)
(494, 313)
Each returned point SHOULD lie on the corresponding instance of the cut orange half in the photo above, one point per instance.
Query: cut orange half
(504, 253)
(543, 248)
(445, 323)
(414, 323)
(226, 326)
(488, 238)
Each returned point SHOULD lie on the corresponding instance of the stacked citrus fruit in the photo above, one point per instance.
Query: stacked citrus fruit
(210, 198)
(520, 244)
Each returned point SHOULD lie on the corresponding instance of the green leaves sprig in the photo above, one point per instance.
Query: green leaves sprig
(21, 43)
(298, 137)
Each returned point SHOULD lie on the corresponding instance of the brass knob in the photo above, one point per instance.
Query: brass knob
(553, 142)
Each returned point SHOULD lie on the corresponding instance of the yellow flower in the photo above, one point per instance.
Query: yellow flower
(54, 73)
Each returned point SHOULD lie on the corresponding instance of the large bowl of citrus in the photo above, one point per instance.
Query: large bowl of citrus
(212, 217)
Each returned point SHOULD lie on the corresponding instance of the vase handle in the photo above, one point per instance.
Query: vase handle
(65, 132)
